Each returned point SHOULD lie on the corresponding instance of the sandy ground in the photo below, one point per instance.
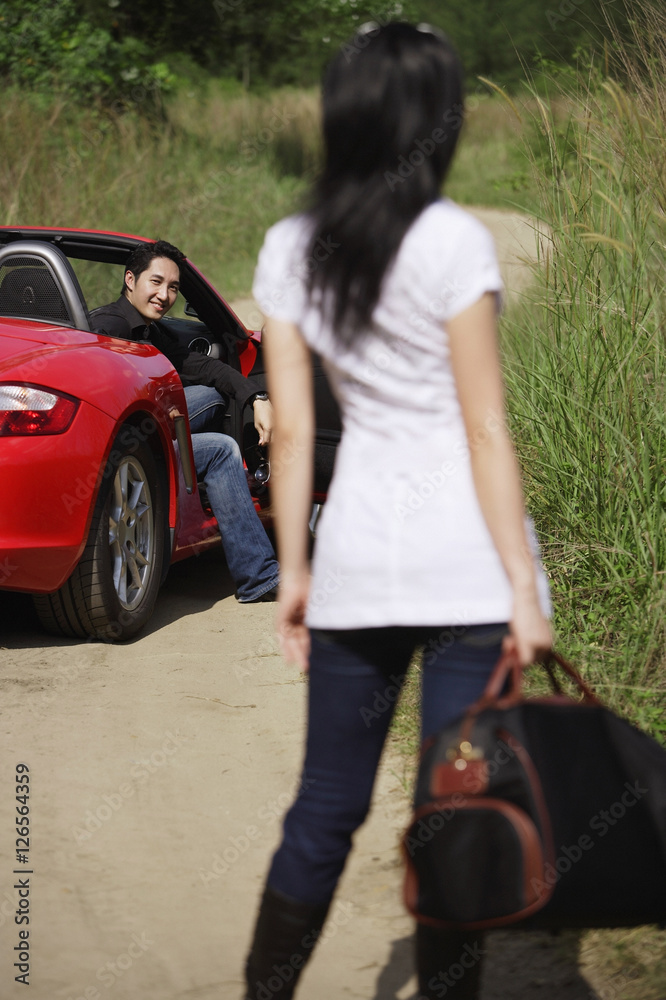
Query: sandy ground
(158, 773)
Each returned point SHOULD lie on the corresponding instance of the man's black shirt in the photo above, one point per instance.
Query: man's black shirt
(121, 319)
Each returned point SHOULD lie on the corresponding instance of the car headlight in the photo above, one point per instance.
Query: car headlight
(28, 409)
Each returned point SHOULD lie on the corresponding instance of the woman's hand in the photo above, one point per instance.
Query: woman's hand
(530, 636)
(292, 632)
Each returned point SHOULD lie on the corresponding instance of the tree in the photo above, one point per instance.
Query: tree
(49, 44)
(253, 40)
(496, 38)
(102, 50)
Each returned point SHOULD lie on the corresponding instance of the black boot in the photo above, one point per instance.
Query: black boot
(448, 963)
(284, 936)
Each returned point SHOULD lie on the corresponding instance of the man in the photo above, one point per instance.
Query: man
(152, 280)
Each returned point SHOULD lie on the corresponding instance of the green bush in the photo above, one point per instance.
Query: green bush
(48, 46)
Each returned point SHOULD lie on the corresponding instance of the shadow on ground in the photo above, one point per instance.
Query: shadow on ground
(532, 965)
(192, 586)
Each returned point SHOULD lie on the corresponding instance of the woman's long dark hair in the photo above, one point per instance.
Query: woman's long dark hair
(392, 112)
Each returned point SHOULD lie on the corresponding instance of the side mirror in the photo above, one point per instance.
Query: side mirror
(190, 311)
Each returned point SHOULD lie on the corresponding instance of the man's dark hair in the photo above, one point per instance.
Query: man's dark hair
(140, 258)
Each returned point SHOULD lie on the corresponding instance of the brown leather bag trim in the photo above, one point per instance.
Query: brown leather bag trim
(508, 668)
(588, 694)
(446, 779)
(533, 867)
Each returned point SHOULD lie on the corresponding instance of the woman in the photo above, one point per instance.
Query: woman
(423, 540)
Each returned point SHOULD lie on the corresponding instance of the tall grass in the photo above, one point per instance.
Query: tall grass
(74, 167)
(221, 168)
(492, 165)
(586, 372)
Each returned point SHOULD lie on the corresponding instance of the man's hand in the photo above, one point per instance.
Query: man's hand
(263, 420)
(174, 414)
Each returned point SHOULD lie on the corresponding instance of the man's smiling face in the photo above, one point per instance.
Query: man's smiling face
(154, 291)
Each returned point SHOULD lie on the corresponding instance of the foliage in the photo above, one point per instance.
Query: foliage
(289, 43)
(115, 50)
(46, 44)
(501, 38)
(109, 50)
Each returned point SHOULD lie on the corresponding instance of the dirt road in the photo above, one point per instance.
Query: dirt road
(158, 771)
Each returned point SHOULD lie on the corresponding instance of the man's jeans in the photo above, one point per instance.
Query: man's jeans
(218, 462)
(354, 683)
(205, 408)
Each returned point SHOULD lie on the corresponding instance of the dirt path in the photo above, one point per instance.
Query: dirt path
(158, 771)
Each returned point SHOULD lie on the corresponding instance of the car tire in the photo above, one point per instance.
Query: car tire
(111, 594)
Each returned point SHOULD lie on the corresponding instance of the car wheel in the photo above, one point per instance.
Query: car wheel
(112, 592)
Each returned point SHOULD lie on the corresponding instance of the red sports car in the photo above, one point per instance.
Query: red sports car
(98, 491)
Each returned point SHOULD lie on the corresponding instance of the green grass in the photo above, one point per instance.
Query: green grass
(625, 964)
(65, 166)
(586, 379)
(586, 376)
(492, 166)
(405, 728)
(212, 177)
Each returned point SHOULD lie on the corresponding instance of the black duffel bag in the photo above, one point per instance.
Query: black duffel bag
(540, 812)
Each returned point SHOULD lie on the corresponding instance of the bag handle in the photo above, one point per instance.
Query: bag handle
(589, 697)
(507, 674)
(505, 689)
(505, 685)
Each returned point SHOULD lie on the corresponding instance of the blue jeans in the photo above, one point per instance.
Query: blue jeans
(354, 682)
(218, 462)
(205, 407)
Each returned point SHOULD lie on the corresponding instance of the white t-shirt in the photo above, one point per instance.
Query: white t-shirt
(401, 540)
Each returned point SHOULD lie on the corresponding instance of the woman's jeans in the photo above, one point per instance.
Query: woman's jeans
(354, 683)
(217, 458)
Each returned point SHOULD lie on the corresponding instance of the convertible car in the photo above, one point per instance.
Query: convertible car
(98, 491)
